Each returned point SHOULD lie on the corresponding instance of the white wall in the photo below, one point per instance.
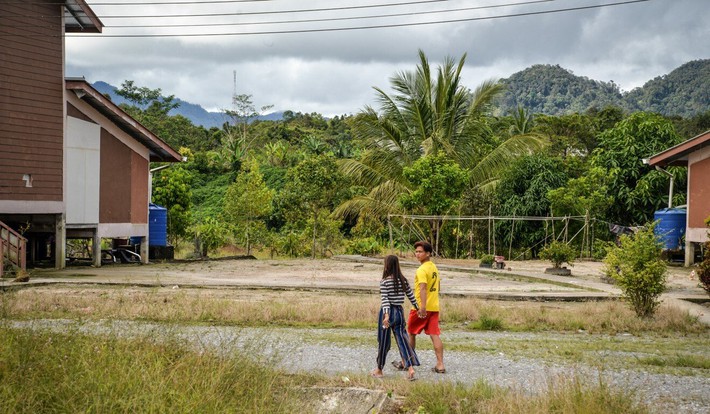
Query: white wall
(82, 160)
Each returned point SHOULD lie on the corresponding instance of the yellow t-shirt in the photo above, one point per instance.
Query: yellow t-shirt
(429, 274)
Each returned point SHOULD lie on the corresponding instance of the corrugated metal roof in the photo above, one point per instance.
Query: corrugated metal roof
(78, 17)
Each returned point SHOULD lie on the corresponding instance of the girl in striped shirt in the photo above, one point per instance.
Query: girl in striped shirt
(393, 288)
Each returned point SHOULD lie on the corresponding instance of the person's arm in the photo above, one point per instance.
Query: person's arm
(410, 296)
(384, 296)
(422, 295)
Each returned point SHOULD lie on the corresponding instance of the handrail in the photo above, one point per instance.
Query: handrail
(13, 246)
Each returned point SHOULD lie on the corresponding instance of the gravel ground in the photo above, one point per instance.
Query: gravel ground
(302, 350)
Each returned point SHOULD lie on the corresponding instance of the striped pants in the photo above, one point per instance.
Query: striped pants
(398, 326)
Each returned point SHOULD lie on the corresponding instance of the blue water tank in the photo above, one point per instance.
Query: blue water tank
(671, 227)
(157, 225)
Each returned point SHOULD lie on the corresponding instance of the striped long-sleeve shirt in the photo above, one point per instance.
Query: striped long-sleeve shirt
(392, 298)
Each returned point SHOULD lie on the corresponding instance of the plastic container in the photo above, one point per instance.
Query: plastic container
(157, 225)
(671, 227)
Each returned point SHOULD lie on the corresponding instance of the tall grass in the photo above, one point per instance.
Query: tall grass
(43, 372)
(355, 310)
(609, 317)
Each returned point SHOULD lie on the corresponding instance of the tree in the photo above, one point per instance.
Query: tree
(427, 114)
(313, 186)
(247, 204)
(171, 189)
(588, 194)
(440, 183)
(152, 110)
(638, 189)
(242, 115)
(523, 191)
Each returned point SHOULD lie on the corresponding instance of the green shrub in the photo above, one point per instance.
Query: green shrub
(637, 267)
(558, 253)
(366, 246)
(210, 234)
(703, 271)
(487, 259)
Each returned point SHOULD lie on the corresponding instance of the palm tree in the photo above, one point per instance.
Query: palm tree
(426, 115)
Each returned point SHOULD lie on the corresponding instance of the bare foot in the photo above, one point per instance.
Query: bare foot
(376, 373)
(410, 374)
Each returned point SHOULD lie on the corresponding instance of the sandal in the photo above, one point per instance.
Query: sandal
(398, 365)
(438, 371)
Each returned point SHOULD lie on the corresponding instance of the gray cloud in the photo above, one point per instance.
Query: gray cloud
(334, 72)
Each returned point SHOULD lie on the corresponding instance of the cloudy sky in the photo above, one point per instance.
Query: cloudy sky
(325, 56)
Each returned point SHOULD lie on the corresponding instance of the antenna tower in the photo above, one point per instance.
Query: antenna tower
(234, 93)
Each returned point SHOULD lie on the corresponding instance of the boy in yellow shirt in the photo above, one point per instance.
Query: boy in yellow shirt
(426, 290)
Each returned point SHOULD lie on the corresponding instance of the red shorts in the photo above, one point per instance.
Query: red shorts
(430, 324)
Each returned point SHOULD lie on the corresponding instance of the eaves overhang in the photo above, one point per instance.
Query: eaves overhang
(678, 155)
(160, 151)
(78, 17)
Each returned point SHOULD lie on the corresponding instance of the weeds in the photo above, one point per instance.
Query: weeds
(42, 372)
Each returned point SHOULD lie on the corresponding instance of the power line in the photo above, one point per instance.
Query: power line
(331, 19)
(393, 25)
(258, 13)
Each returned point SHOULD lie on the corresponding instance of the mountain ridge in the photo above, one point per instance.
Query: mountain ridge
(544, 89)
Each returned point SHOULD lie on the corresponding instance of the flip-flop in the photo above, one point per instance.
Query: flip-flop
(439, 371)
(411, 378)
(398, 365)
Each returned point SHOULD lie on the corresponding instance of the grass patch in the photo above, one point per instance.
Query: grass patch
(679, 360)
(561, 396)
(606, 317)
(42, 372)
(487, 323)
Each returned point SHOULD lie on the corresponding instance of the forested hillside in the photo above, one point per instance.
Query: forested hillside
(683, 92)
(553, 90)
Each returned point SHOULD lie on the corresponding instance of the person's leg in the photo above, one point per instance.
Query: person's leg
(383, 345)
(438, 351)
(411, 330)
(409, 357)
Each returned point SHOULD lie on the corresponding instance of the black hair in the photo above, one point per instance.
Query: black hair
(392, 269)
(424, 245)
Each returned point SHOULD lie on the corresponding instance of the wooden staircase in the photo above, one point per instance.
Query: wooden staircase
(13, 249)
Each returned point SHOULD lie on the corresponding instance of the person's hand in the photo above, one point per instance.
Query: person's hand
(386, 321)
(422, 313)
